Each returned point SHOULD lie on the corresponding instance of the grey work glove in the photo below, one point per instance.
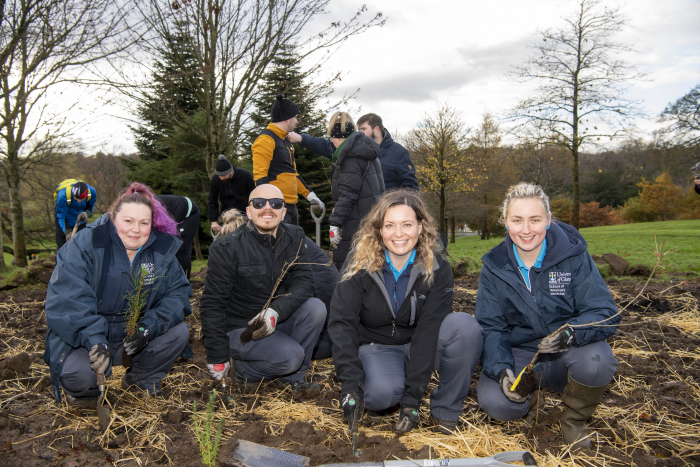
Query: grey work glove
(313, 199)
(335, 236)
(353, 409)
(409, 418)
(218, 370)
(100, 357)
(560, 342)
(269, 319)
(506, 378)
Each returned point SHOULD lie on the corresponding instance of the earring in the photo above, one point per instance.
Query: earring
(507, 227)
(547, 227)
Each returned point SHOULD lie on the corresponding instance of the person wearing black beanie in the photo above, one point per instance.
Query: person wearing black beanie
(273, 158)
(229, 189)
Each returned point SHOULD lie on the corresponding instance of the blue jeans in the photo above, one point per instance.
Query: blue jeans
(148, 369)
(457, 354)
(284, 353)
(592, 365)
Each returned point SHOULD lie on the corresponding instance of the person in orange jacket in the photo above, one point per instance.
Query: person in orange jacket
(273, 159)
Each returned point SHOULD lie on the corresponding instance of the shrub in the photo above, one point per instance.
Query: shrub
(208, 439)
(593, 215)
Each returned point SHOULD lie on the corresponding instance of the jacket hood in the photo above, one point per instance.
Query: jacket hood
(359, 145)
(387, 140)
(563, 241)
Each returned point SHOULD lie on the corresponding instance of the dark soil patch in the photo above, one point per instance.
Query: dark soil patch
(655, 386)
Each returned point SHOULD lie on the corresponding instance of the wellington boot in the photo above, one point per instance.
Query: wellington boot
(580, 401)
(536, 405)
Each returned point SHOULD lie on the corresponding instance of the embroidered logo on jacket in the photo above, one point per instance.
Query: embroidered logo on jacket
(150, 270)
(558, 282)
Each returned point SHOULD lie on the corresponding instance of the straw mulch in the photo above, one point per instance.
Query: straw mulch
(640, 419)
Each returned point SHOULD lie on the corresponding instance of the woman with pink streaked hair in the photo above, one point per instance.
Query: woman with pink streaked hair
(87, 300)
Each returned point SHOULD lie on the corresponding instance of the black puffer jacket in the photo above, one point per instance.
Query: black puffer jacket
(356, 184)
(243, 268)
(361, 313)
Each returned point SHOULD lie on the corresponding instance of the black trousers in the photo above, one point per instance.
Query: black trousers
(61, 235)
(188, 230)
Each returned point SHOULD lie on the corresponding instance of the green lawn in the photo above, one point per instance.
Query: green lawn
(634, 242)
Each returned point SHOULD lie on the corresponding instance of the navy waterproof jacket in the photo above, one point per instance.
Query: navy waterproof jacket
(72, 297)
(397, 168)
(567, 289)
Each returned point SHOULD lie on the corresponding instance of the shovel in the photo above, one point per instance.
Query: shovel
(318, 221)
(103, 416)
(249, 454)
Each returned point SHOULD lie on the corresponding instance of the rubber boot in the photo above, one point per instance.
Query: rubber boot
(536, 404)
(580, 401)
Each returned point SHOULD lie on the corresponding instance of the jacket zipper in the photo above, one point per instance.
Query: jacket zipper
(393, 326)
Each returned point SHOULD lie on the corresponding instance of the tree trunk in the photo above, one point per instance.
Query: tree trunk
(3, 266)
(17, 216)
(485, 226)
(443, 227)
(452, 221)
(197, 248)
(576, 202)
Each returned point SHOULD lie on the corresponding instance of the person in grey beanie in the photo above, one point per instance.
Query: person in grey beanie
(229, 189)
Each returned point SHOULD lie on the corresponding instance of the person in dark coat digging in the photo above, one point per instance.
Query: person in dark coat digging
(356, 177)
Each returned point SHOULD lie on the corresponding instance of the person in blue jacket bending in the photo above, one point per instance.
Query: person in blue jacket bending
(82, 199)
(537, 280)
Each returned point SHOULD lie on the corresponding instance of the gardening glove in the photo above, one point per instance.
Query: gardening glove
(137, 342)
(99, 358)
(335, 236)
(506, 378)
(218, 370)
(68, 234)
(269, 318)
(409, 418)
(558, 342)
(353, 408)
(82, 217)
(313, 199)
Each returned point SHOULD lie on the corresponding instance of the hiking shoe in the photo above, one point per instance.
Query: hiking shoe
(81, 402)
(446, 427)
(374, 418)
(298, 388)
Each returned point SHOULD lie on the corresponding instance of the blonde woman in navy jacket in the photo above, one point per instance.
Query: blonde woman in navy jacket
(538, 279)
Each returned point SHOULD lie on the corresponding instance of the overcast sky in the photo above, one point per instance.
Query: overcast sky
(458, 51)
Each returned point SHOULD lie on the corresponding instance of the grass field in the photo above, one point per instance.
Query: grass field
(634, 242)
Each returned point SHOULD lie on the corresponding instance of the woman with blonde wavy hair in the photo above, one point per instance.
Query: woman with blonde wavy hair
(391, 321)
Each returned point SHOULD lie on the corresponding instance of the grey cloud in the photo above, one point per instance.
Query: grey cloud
(470, 66)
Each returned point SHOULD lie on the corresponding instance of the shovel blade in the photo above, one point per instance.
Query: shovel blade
(103, 417)
(255, 455)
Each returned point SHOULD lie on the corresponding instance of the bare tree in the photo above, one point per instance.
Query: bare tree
(580, 81)
(45, 43)
(684, 118)
(231, 43)
(438, 148)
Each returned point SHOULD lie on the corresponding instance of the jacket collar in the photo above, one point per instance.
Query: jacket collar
(387, 140)
(277, 130)
(359, 145)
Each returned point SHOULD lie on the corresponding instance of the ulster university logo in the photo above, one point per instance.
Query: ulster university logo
(558, 281)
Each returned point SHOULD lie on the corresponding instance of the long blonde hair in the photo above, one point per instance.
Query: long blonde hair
(368, 250)
(232, 219)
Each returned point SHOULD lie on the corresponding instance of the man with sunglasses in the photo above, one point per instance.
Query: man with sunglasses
(273, 158)
(245, 266)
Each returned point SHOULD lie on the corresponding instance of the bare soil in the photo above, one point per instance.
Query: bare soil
(649, 416)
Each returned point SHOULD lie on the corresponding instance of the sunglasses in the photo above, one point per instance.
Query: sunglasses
(275, 203)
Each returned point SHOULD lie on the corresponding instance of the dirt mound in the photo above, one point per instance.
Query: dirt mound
(38, 272)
